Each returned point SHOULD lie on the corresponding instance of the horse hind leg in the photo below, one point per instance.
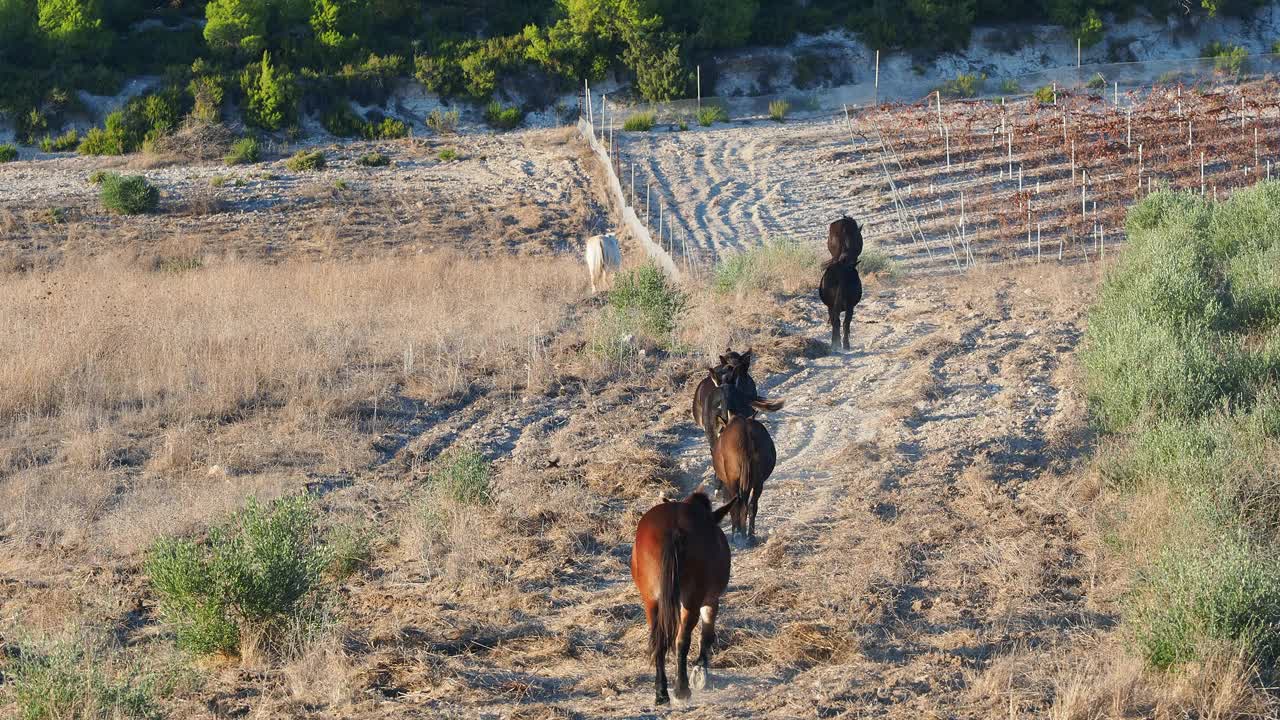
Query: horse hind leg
(683, 637)
(848, 320)
(700, 674)
(834, 316)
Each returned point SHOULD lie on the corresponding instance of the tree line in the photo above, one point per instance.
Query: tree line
(271, 59)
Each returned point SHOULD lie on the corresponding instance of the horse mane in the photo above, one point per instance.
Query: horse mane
(699, 499)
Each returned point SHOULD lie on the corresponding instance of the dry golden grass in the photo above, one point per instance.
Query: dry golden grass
(109, 371)
(204, 343)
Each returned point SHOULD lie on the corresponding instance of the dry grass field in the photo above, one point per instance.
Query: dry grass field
(478, 437)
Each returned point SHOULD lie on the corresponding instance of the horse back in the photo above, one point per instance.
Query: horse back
(729, 457)
(704, 551)
(840, 287)
(764, 456)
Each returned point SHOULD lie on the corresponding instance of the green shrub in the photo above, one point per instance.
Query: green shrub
(1045, 94)
(443, 122)
(373, 159)
(206, 92)
(873, 261)
(1011, 87)
(245, 151)
(1182, 364)
(965, 85)
(8, 153)
(100, 142)
(463, 476)
(306, 160)
(161, 112)
(1225, 589)
(262, 572)
(709, 114)
(448, 155)
(349, 551)
(128, 194)
(97, 176)
(386, 129)
(503, 118)
(661, 75)
(65, 142)
(646, 301)
(640, 122)
(1097, 82)
(342, 121)
(219, 180)
(780, 266)
(778, 110)
(84, 680)
(271, 94)
(340, 184)
(1227, 59)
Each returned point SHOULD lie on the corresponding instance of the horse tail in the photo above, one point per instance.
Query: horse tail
(767, 405)
(744, 484)
(666, 621)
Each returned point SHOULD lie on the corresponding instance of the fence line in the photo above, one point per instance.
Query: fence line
(627, 214)
(1123, 83)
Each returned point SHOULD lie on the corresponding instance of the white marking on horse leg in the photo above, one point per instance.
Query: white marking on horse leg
(705, 614)
(697, 678)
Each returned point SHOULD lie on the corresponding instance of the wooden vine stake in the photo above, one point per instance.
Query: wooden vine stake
(1011, 152)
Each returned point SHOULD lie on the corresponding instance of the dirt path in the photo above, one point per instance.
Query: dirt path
(919, 550)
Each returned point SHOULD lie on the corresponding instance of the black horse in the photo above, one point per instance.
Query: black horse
(844, 238)
(708, 402)
(840, 290)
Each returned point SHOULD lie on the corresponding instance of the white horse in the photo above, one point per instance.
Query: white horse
(603, 258)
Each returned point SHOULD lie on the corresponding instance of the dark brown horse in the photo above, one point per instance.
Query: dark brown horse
(734, 369)
(844, 239)
(743, 457)
(840, 290)
(680, 564)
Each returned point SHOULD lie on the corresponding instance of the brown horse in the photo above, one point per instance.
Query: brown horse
(743, 457)
(680, 564)
(844, 239)
(734, 369)
(840, 290)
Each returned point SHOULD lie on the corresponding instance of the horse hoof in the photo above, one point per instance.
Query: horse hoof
(682, 693)
(698, 678)
(661, 700)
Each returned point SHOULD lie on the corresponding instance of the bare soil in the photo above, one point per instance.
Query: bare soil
(524, 193)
